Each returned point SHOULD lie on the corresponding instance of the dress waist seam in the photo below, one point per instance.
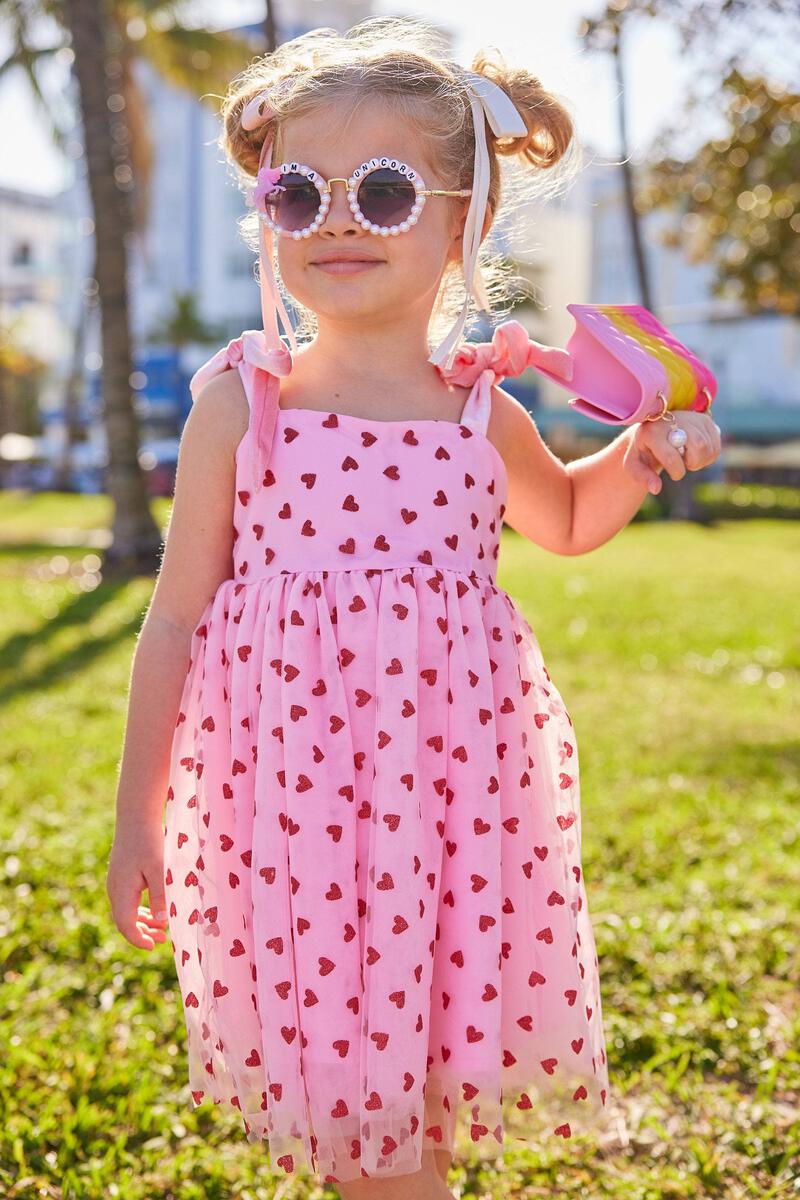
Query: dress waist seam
(369, 570)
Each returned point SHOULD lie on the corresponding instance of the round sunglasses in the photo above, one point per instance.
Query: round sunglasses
(385, 195)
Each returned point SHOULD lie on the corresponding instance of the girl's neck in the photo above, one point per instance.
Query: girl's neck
(370, 358)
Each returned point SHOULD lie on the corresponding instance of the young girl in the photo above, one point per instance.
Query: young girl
(371, 868)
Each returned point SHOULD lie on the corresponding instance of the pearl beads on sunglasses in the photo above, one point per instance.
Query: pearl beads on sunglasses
(352, 190)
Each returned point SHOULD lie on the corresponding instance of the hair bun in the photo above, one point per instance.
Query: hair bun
(550, 127)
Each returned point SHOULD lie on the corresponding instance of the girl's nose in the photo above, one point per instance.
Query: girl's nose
(340, 215)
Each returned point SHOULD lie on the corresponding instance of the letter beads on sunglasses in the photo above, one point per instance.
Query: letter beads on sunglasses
(385, 196)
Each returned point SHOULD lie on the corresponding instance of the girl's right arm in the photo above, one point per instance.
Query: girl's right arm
(197, 558)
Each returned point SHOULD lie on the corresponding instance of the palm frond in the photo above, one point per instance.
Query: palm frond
(28, 61)
(195, 59)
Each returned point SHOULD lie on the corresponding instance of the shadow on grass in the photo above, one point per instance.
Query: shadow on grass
(733, 762)
(77, 613)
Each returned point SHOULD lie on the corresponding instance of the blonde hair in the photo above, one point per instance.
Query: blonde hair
(405, 61)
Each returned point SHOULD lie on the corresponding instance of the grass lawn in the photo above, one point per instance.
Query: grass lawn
(676, 650)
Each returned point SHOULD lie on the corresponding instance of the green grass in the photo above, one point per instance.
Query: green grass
(676, 650)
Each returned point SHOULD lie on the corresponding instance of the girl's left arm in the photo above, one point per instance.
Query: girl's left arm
(575, 507)
(608, 487)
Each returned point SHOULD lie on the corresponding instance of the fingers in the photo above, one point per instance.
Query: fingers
(701, 453)
(151, 929)
(705, 440)
(153, 919)
(649, 450)
(138, 923)
(714, 435)
(702, 447)
(158, 899)
(640, 465)
(141, 928)
(675, 463)
(664, 453)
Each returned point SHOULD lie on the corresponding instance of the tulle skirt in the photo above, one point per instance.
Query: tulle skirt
(373, 872)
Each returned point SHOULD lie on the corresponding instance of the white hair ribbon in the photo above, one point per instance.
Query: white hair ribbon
(485, 97)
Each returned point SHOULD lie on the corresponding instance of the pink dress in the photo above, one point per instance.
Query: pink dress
(373, 831)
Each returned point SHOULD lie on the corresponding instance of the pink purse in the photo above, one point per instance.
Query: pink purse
(627, 367)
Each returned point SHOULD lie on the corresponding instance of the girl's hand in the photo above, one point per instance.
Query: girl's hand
(649, 452)
(137, 863)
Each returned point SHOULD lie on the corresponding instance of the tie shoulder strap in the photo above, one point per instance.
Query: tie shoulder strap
(483, 364)
(260, 368)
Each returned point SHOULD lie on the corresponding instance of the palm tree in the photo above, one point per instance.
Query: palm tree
(604, 33)
(73, 389)
(270, 33)
(106, 37)
(183, 323)
(136, 537)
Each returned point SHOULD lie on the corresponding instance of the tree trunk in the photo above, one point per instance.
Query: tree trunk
(136, 539)
(676, 499)
(270, 35)
(634, 225)
(73, 393)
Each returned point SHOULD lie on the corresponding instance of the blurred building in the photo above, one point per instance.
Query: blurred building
(33, 271)
(550, 246)
(581, 252)
(756, 359)
(575, 248)
(29, 245)
(35, 340)
(193, 243)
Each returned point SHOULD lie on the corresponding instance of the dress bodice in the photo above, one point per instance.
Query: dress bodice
(341, 492)
(330, 491)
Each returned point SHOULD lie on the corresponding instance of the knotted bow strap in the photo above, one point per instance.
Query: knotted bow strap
(509, 352)
(251, 347)
(261, 366)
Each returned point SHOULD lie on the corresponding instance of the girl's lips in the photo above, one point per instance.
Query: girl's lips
(345, 266)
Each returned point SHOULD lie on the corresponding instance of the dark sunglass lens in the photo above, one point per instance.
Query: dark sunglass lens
(297, 205)
(385, 197)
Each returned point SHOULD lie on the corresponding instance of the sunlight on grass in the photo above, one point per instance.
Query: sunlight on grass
(676, 650)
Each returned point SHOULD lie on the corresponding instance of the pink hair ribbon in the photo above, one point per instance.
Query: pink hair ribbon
(256, 112)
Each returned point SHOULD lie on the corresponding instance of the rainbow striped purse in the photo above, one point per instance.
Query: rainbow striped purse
(627, 367)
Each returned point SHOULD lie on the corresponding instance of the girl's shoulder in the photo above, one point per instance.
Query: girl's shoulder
(220, 406)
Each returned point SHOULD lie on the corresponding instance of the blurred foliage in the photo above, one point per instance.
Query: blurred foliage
(16, 357)
(183, 323)
(739, 197)
(152, 31)
(730, 501)
(729, 27)
(21, 376)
